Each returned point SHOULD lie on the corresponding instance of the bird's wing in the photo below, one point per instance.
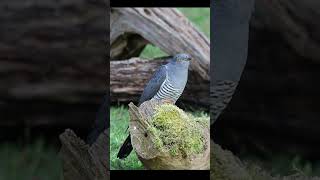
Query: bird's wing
(101, 122)
(154, 84)
(229, 54)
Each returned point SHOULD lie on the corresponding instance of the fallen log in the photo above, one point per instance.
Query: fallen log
(127, 46)
(129, 77)
(57, 53)
(166, 28)
(52, 62)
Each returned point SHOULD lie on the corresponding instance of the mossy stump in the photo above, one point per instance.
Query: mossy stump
(147, 151)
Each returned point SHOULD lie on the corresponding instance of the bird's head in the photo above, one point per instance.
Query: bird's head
(182, 57)
(182, 60)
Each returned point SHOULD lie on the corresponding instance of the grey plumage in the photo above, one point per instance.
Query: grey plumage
(168, 90)
(167, 83)
(230, 26)
(154, 84)
(169, 80)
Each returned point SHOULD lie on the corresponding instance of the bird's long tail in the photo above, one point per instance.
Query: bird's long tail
(125, 149)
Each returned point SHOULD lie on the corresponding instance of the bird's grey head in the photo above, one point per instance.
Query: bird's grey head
(182, 57)
(181, 60)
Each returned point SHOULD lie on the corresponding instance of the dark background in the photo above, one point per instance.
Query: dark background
(274, 114)
(53, 76)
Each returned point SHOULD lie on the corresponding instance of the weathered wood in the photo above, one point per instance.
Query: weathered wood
(127, 46)
(83, 162)
(53, 50)
(143, 142)
(129, 77)
(166, 28)
(52, 61)
(226, 166)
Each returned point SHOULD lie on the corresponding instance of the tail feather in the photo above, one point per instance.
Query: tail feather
(125, 149)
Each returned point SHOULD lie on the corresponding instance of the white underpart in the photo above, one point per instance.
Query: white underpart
(168, 91)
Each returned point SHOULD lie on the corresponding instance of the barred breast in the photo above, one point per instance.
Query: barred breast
(221, 92)
(168, 91)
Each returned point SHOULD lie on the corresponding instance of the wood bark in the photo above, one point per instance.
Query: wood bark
(127, 46)
(143, 142)
(129, 77)
(83, 162)
(166, 28)
(52, 61)
(226, 166)
(53, 50)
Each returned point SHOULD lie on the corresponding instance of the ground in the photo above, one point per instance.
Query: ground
(35, 161)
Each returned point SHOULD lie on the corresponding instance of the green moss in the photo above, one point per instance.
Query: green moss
(176, 132)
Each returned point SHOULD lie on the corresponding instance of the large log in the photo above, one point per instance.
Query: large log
(52, 61)
(57, 53)
(128, 78)
(127, 46)
(166, 28)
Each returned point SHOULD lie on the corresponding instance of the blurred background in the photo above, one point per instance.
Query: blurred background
(53, 75)
(273, 118)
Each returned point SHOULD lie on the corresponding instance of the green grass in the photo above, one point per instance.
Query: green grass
(200, 17)
(119, 119)
(31, 162)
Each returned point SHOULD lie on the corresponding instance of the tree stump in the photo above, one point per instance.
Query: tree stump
(149, 155)
(83, 162)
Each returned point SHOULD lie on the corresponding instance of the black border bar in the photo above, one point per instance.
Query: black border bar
(160, 174)
(160, 3)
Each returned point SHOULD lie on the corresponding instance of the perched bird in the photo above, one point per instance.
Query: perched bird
(101, 122)
(230, 26)
(166, 84)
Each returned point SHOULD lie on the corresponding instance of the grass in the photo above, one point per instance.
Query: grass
(31, 162)
(119, 119)
(285, 164)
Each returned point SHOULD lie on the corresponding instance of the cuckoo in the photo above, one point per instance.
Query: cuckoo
(166, 84)
(230, 30)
